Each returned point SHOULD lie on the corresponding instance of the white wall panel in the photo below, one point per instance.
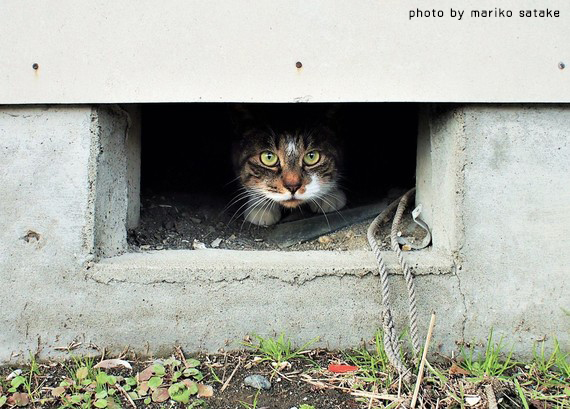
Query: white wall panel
(245, 50)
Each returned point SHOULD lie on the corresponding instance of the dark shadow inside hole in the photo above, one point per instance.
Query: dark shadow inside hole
(187, 172)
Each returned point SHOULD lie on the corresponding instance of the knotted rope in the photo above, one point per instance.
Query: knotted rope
(391, 344)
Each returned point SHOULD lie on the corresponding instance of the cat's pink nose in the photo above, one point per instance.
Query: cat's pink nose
(292, 187)
(292, 182)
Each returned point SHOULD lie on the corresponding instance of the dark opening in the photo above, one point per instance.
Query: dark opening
(187, 172)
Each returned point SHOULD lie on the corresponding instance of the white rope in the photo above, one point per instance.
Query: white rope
(391, 344)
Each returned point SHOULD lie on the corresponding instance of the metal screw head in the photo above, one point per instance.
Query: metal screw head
(35, 66)
(298, 64)
(561, 65)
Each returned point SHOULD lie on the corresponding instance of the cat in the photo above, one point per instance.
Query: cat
(286, 163)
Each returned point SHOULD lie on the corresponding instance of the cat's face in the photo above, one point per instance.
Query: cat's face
(288, 167)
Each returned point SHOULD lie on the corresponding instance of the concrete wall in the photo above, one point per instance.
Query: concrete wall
(492, 179)
(133, 165)
(62, 205)
(500, 202)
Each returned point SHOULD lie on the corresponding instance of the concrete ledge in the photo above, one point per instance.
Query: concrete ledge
(210, 299)
(211, 265)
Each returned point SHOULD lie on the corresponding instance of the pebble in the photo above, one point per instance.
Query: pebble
(257, 382)
(13, 374)
(216, 243)
(196, 220)
(325, 239)
(198, 245)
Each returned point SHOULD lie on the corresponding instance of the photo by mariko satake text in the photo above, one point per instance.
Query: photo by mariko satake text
(497, 12)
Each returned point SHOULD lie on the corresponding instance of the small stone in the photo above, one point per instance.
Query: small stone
(325, 239)
(159, 247)
(232, 237)
(198, 245)
(258, 240)
(406, 247)
(145, 247)
(195, 220)
(257, 382)
(13, 374)
(216, 243)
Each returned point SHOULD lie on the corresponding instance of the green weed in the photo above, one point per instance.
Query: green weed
(252, 405)
(278, 350)
(491, 363)
(374, 367)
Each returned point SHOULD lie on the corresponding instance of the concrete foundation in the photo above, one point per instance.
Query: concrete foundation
(493, 181)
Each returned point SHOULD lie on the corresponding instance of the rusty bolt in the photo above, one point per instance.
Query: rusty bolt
(298, 64)
(561, 65)
(35, 66)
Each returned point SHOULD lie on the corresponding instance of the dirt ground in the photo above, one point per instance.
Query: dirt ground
(287, 391)
(179, 221)
(307, 381)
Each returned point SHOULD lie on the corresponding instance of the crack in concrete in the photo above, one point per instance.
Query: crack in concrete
(464, 300)
(297, 280)
(114, 280)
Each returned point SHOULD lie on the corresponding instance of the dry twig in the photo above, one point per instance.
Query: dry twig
(225, 385)
(423, 362)
(126, 395)
(378, 396)
(491, 397)
(181, 356)
(70, 347)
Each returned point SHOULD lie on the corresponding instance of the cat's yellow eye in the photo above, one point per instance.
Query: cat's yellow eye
(311, 158)
(268, 158)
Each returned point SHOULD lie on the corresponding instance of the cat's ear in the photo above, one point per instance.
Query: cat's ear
(242, 119)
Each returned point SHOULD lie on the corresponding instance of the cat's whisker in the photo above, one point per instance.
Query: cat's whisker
(324, 214)
(236, 199)
(257, 208)
(254, 198)
(239, 197)
(254, 206)
(247, 197)
(266, 207)
(323, 198)
(232, 181)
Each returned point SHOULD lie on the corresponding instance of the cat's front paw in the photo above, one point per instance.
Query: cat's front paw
(263, 215)
(332, 201)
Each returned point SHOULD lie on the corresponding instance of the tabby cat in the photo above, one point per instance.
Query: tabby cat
(284, 166)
